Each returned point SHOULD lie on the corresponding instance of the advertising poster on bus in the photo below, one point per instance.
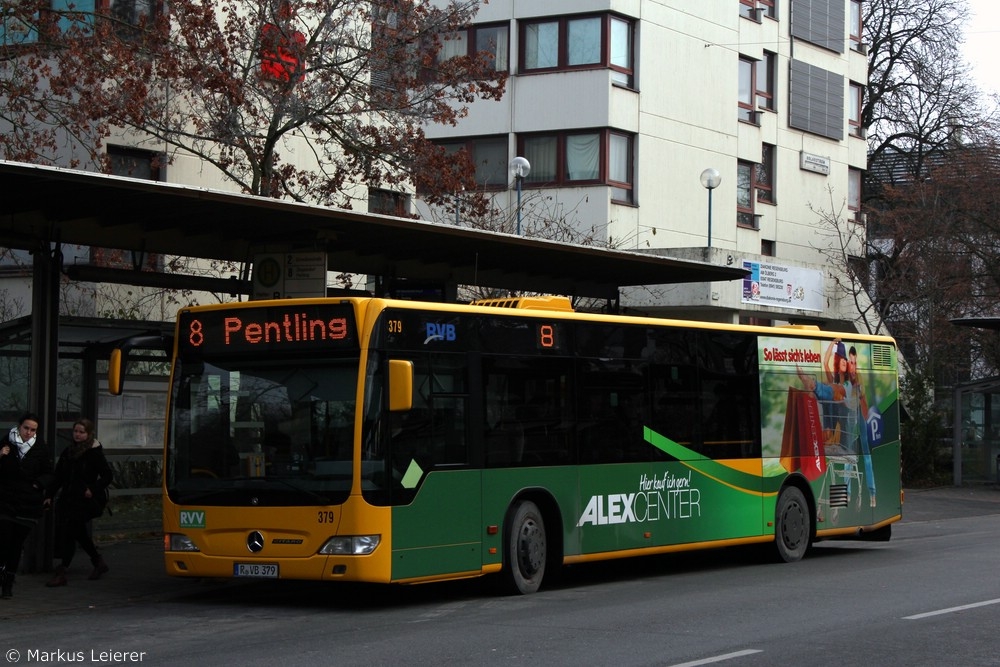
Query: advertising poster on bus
(829, 411)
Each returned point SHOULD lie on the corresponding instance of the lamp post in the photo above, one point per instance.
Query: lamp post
(710, 178)
(519, 168)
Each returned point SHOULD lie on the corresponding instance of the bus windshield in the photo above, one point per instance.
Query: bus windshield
(261, 432)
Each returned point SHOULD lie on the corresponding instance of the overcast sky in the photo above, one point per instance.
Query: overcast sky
(982, 43)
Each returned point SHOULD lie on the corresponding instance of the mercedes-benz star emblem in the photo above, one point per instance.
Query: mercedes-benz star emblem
(255, 541)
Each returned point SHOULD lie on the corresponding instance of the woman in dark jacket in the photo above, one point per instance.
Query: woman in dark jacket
(25, 472)
(82, 478)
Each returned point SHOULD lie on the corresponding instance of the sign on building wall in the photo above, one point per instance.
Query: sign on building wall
(815, 163)
(783, 286)
(289, 275)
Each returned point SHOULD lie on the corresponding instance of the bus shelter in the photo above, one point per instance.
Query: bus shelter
(83, 348)
(976, 432)
(976, 421)
(84, 344)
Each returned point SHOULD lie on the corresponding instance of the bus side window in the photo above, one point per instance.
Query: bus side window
(504, 445)
(408, 441)
(450, 444)
(675, 405)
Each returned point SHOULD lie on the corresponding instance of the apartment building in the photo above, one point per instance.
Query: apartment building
(622, 106)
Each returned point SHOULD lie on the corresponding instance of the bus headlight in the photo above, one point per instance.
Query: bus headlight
(351, 545)
(178, 542)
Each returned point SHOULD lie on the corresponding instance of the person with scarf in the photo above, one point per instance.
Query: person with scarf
(25, 473)
(82, 478)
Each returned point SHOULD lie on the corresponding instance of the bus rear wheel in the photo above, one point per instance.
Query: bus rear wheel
(792, 528)
(525, 555)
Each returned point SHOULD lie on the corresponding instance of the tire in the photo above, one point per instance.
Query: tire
(792, 525)
(525, 553)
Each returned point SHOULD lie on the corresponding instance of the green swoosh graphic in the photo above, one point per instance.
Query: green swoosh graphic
(756, 485)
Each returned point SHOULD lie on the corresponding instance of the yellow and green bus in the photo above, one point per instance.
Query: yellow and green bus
(373, 440)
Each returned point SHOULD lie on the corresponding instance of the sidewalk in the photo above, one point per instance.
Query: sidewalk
(951, 502)
(137, 573)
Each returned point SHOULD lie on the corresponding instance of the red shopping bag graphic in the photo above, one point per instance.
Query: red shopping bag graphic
(802, 439)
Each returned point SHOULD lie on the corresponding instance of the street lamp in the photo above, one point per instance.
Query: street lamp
(519, 168)
(710, 178)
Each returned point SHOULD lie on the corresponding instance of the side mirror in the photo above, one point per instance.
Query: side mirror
(116, 372)
(118, 360)
(400, 385)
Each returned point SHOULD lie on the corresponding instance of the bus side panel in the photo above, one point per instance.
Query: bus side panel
(653, 505)
(608, 508)
(441, 530)
(887, 461)
(557, 485)
(830, 414)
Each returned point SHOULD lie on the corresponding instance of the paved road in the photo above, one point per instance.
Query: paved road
(137, 565)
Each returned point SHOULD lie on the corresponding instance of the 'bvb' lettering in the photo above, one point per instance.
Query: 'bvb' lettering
(195, 336)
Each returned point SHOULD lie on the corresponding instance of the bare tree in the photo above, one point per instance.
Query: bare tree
(302, 100)
(37, 123)
(907, 267)
(920, 97)
(929, 255)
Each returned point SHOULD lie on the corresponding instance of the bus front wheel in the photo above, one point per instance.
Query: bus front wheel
(792, 529)
(525, 555)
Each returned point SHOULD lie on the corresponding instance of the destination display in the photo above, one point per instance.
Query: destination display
(288, 328)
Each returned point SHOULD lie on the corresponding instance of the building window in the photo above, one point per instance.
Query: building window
(489, 155)
(855, 26)
(859, 270)
(854, 192)
(387, 202)
(754, 182)
(621, 51)
(134, 163)
(854, 110)
(581, 157)
(490, 40)
(393, 69)
(131, 14)
(767, 248)
(66, 15)
(764, 83)
(744, 195)
(755, 9)
(578, 42)
(541, 45)
(747, 92)
(763, 175)
(620, 163)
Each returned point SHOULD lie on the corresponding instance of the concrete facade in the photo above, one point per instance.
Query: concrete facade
(679, 105)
